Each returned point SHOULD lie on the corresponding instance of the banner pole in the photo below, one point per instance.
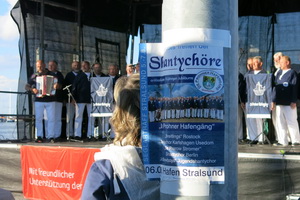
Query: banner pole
(213, 15)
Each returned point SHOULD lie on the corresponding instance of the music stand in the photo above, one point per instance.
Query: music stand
(102, 100)
(68, 113)
(102, 116)
(264, 133)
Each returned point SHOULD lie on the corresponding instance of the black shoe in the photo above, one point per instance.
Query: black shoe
(47, 140)
(39, 140)
(246, 141)
(57, 139)
(253, 142)
(91, 139)
(71, 137)
(77, 138)
(52, 140)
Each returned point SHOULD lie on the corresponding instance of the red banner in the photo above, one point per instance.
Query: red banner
(55, 172)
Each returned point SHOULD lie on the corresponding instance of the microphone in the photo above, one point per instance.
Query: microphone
(67, 87)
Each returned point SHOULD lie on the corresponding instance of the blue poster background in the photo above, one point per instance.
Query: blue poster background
(177, 136)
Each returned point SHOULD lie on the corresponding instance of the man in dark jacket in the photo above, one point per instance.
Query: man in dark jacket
(81, 90)
(284, 98)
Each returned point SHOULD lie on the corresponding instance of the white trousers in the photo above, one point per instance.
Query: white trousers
(58, 123)
(212, 113)
(151, 116)
(173, 115)
(168, 114)
(286, 119)
(194, 112)
(254, 128)
(177, 113)
(219, 114)
(206, 112)
(200, 113)
(188, 112)
(274, 120)
(47, 109)
(79, 109)
(57, 119)
(181, 113)
(70, 119)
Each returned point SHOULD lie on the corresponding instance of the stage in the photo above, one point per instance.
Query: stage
(264, 172)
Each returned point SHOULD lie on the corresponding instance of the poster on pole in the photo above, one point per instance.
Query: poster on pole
(182, 108)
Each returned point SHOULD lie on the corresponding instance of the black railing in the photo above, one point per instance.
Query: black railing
(23, 125)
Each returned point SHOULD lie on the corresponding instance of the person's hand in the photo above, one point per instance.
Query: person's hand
(243, 106)
(56, 86)
(273, 105)
(34, 90)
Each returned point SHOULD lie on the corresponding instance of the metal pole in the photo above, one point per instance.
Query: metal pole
(41, 49)
(132, 32)
(79, 30)
(220, 15)
(273, 22)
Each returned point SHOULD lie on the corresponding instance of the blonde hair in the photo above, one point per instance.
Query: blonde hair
(126, 116)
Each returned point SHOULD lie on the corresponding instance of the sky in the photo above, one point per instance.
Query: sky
(9, 57)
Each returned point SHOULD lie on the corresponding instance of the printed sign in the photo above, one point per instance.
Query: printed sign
(102, 94)
(55, 172)
(259, 89)
(182, 90)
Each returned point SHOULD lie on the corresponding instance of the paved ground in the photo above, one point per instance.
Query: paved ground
(10, 166)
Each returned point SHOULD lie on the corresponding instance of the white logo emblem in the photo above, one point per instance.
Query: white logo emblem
(259, 90)
(101, 92)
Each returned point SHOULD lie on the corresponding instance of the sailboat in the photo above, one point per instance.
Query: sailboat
(10, 118)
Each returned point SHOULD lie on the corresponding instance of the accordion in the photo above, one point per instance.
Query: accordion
(45, 85)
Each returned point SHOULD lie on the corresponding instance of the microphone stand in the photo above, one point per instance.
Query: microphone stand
(69, 104)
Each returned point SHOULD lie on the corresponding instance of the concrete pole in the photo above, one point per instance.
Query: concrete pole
(221, 15)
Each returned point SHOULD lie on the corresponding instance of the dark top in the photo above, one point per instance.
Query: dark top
(285, 90)
(69, 79)
(59, 94)
(242, 89)
(99, 183)
(115, 79)
(151, 106)
(81, 88)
